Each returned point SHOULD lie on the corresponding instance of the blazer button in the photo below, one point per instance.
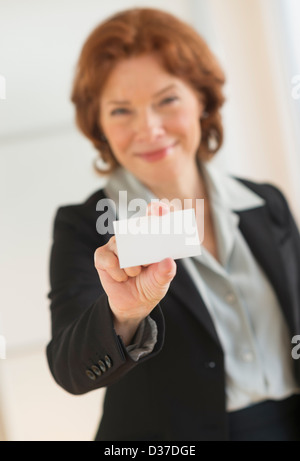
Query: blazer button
(91, 375)
(102, 366)
(210, 365)
(96, 370)
(108, 361)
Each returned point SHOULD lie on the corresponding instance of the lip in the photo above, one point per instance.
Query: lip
(154, 156)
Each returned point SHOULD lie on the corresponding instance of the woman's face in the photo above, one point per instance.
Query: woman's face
(151, 120)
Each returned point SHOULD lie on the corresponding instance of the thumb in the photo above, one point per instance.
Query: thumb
(165, 271)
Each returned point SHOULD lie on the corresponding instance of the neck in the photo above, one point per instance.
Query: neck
(189, 185)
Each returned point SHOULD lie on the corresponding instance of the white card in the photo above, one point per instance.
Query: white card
(151, 239)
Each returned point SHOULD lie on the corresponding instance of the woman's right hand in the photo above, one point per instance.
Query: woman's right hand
(133, 292)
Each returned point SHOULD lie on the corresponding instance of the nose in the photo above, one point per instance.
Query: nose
(148, 126)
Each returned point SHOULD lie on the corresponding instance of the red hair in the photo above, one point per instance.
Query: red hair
(183, 53)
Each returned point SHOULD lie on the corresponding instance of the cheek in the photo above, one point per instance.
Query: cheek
(187, 126)
(119, 139)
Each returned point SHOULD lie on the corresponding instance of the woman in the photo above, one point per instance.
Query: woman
(200, 348)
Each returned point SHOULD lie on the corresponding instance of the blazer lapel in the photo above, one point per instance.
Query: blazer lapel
(265, 244)
(184, 289)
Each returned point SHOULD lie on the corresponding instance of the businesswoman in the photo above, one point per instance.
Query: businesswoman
(196, 349)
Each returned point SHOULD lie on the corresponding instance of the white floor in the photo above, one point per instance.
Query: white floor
(34, 408)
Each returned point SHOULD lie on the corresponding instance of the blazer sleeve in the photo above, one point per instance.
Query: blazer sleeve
(84, 352)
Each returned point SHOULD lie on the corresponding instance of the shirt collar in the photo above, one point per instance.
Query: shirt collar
(122, 180)
(227, 197)
(227, 191)
(224, 191)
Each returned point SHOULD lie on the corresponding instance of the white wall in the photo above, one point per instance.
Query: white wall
(261, 138)
(45, 162)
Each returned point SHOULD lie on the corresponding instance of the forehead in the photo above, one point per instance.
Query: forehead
(137, 75)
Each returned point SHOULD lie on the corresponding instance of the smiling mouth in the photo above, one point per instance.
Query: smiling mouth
(157, 154)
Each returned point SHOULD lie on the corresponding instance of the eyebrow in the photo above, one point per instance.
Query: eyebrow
(159, 93)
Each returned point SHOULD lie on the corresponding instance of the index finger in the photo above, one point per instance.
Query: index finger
(157, 209)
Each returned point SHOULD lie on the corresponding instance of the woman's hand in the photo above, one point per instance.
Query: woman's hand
(133, 292)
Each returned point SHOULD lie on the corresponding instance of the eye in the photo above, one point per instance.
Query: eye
(120, 111)
(169, 100)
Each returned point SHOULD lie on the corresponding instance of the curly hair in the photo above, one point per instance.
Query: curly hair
(183, 52)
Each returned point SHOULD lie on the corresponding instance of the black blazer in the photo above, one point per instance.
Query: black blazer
(178, 391)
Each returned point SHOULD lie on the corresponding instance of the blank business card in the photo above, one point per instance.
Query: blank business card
(151, 239)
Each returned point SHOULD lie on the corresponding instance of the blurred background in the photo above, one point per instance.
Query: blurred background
(45, 162)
